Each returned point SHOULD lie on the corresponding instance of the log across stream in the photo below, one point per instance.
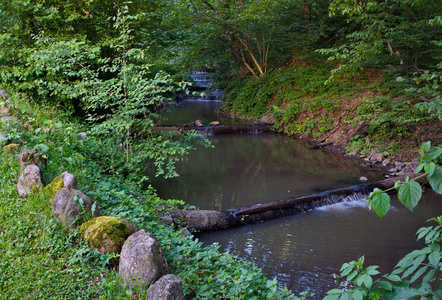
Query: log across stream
(210, 220)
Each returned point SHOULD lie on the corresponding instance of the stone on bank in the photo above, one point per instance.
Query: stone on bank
(107, 234)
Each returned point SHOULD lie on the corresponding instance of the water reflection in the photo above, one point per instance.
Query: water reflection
(246, 169)
(304, 251)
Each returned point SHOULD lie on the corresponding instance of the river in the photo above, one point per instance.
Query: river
(303, 251)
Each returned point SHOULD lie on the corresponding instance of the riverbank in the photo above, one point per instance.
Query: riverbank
(366, 117)
(42, 260)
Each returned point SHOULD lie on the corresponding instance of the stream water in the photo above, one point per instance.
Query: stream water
(305, 250)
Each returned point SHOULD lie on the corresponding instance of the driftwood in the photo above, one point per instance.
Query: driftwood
(210, 220)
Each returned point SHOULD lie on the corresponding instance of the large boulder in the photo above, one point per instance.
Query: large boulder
(29, 181)
(168, 287)
(72, 207)
(107, 234)
(204, 220)
(142, 260)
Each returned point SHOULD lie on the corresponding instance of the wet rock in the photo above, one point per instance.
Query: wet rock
(363, 179)
(268, 119)
(83, 135)
(30, 181)
(376, 156)
(11, 148)
(199, 123)
(353, 152)
(186, 232)
(107, 234)
(386, 161)
(72, 207)
(168, 287)
(214, 123)
(204, 220)
(142, 260)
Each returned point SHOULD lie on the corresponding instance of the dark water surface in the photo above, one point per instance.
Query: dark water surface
(246, 169)
(185, 112)
(304, 250)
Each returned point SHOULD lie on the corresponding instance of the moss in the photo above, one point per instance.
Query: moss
(11, 148)
(106, 234)
(51, 189)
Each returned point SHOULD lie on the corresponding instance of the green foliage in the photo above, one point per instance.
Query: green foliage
(400, 37)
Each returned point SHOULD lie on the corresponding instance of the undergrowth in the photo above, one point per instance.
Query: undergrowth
(41, 260)
(302, 105)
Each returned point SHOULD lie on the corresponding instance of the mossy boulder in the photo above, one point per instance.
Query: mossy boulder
(65, 179)
(107, 234)
(11, 148)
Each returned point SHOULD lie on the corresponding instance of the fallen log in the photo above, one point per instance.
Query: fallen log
(210, 220)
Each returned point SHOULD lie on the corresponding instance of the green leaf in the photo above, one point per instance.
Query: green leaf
(381, 204)
(357, 295)
(434, 258)
(386, 285)
(436, 181)
(429, 168)
(418, 274)
(409, 194)
(393, 278)
(368, 281)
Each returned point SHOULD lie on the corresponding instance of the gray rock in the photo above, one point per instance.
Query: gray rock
(29, 181)
(9, 119)
(386, 161)
(199, 123)
(69, 210)
(69, 180)
(31, 157)
(168, 287)
(268, 119)
(168, 220)
(83, 135)
(376, 156)
(186, 232)
(5, 111)
(142, 260)
(363, 179)
(3, 94)
(399, 165)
